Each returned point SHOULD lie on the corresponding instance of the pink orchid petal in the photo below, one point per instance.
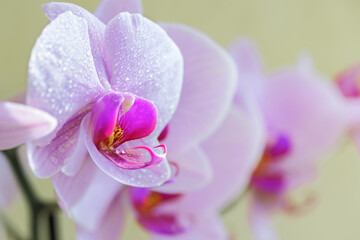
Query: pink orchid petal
(250, 68)
(309, 110)
(94, 203)
(62, 74)
(240, 140)
(77, 159)
(112, 224)
(20, 123)
(143, 60)
(194, 172)
(63, 149)
(70, 189)
(8, 185)
(260, 221)
(108, 9)
(150, 177)
(96, 30)
(208, 88)
(205, 227)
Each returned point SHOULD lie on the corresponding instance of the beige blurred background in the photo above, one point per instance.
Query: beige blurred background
(328, 29)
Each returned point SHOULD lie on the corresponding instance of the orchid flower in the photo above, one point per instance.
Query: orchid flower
(208, 88)
(348, 83)
(305, 117)
(112, 87)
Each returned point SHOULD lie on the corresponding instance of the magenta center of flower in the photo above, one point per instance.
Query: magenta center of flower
(266, 178)
(117, 119)
(147, 203)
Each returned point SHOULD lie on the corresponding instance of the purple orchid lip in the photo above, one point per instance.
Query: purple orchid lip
(119, 118)
(264, 178)
(146, 202)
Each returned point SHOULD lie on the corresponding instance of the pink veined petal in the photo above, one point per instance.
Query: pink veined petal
(77, 159)
(62, 75)
(20, 123)
(70, 189)
(8, 186)
(111, 225)
(94, 203)
(47, 160)
(205, 227)
(310, 111)
(193, 172)
(250, 68)
(108, 9)
(146, 177)
(208, 89)
(143, 60)
(96, 30)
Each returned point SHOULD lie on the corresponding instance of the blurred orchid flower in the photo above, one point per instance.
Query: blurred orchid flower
(166, 211)
(112, 88)
(305, 117)
(20, 123)
(349, 85)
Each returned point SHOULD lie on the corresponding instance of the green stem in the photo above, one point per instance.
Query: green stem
(52, 226)
(37, 206)
(24, 183)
